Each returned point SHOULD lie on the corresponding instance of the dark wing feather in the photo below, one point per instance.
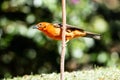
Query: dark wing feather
(69, 27)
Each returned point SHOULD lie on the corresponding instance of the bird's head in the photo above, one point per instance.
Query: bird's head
(41, 26)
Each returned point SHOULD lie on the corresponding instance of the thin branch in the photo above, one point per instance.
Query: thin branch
(63, 40)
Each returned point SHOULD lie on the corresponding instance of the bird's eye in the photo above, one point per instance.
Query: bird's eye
(40, 24)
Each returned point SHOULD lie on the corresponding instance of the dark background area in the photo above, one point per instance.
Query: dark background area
(25, 51)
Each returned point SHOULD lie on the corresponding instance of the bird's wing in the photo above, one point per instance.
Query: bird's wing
(68, 27)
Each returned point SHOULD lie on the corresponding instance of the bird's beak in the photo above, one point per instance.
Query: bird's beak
(35, 27)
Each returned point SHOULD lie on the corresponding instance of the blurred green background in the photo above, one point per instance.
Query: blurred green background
(24, 50)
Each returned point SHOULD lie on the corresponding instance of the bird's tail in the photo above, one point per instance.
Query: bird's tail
(93, 35)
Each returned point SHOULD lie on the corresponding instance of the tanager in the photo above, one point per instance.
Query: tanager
(54, 31)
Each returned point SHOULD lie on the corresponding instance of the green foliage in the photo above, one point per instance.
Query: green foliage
(24, 50)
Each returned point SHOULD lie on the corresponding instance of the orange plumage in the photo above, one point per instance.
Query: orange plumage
(54, 31)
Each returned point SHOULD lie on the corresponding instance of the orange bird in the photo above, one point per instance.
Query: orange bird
(54, 31)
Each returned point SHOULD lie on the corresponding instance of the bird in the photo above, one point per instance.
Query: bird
(54, 31)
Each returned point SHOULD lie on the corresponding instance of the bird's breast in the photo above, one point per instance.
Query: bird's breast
(54, 33)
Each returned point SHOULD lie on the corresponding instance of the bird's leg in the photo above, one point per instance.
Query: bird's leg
(66, 41)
